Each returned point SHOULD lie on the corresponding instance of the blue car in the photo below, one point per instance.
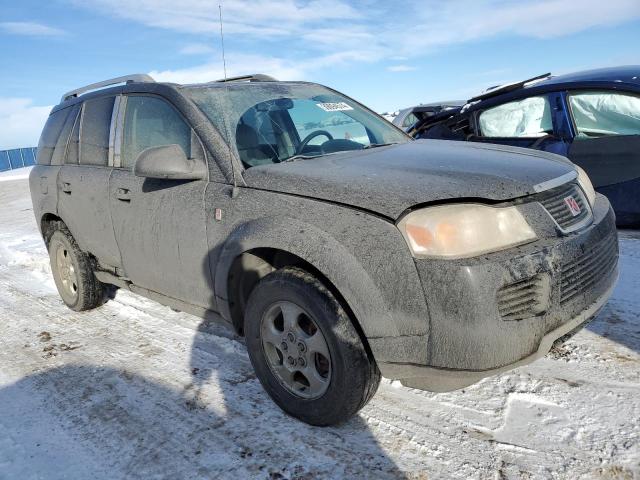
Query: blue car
(591, 117)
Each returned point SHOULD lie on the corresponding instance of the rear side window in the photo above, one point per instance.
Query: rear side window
(599, 114)
(152, 122)
(94, 131)
(53, 135)
(530, 117)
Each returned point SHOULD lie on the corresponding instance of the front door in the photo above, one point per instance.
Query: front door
(160, 224)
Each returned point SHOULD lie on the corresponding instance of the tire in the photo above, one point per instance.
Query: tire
(338, 386)
(73, 273)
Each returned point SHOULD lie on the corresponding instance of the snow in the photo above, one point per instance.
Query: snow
(17, 174)
(135, 390)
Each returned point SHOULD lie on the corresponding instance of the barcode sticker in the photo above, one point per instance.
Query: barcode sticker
(334, 107)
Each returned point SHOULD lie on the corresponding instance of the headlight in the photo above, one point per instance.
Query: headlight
(464, 230)
(586, 185)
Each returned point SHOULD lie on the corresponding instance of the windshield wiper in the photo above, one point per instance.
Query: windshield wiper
(301, 157)
(375, 145)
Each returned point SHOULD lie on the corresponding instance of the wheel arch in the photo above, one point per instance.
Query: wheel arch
(49, 223)
(256, 248)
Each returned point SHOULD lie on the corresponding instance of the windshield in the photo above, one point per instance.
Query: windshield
(278, 122)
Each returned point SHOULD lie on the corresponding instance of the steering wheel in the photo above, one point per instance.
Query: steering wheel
(310, 137)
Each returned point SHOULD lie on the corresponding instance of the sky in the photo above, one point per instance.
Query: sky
(387, 54)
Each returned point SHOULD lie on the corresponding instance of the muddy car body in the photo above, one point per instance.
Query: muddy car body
(436, 263)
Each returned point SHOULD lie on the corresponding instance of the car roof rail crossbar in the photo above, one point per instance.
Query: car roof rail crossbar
(256, 77)
(137, 77)
(493, 91)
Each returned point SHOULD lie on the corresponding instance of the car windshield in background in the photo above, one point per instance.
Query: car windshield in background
(276, 122)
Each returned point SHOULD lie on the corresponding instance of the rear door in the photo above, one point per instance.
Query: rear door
(159, 223)
(607, 146)
(52, 149)
(83, 181)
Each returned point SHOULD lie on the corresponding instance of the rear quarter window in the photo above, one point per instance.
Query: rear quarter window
(51, 135)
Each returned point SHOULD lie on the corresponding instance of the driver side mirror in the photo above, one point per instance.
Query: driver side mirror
(168, 162)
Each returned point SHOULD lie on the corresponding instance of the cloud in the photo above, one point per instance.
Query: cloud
(242, 64)
(374, 31)
(265, 18)
(31, 29)
(437, 24)
(196, 49)
(401, 68)
(236, 65)
(21, 122)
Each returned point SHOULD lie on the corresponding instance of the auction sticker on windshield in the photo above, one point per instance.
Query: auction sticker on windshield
(334, 107)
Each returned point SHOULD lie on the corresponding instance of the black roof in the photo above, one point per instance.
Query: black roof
(625, 74)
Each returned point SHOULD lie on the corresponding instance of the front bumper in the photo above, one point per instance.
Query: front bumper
(469, 335)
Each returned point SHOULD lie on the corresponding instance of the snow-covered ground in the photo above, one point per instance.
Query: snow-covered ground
(135, 390)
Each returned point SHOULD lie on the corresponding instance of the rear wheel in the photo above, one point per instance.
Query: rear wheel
(73, 273)
(305, 350)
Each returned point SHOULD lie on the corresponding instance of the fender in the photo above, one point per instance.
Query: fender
(377, 318)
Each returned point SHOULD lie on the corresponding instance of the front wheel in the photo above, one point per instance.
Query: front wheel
(305, 350)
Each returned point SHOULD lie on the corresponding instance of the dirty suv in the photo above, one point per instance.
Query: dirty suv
(339, 247)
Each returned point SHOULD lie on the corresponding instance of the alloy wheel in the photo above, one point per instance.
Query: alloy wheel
(296, 350)
(66, 272)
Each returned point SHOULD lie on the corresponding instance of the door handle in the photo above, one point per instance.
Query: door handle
(66, 187)
(123, 194)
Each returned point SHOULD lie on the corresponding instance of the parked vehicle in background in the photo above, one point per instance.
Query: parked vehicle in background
(408, 117)
(340, 247)
(592, 117)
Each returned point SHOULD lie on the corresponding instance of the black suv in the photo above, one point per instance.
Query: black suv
(341, 248)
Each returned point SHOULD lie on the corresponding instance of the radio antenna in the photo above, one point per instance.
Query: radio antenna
(224, 61)
(235, 191)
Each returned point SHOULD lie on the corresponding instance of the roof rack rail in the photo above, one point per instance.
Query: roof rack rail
(256, 77)
(138, 77)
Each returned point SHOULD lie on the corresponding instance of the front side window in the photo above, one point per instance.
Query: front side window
(274, 122)
(530, 117)
(152, 122)
(94, 133)
(598, 114)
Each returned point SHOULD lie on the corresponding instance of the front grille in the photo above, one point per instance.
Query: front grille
(558, 208)
(586, 271)
(524, 299)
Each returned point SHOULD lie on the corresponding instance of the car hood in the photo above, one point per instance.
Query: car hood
(389, 180)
